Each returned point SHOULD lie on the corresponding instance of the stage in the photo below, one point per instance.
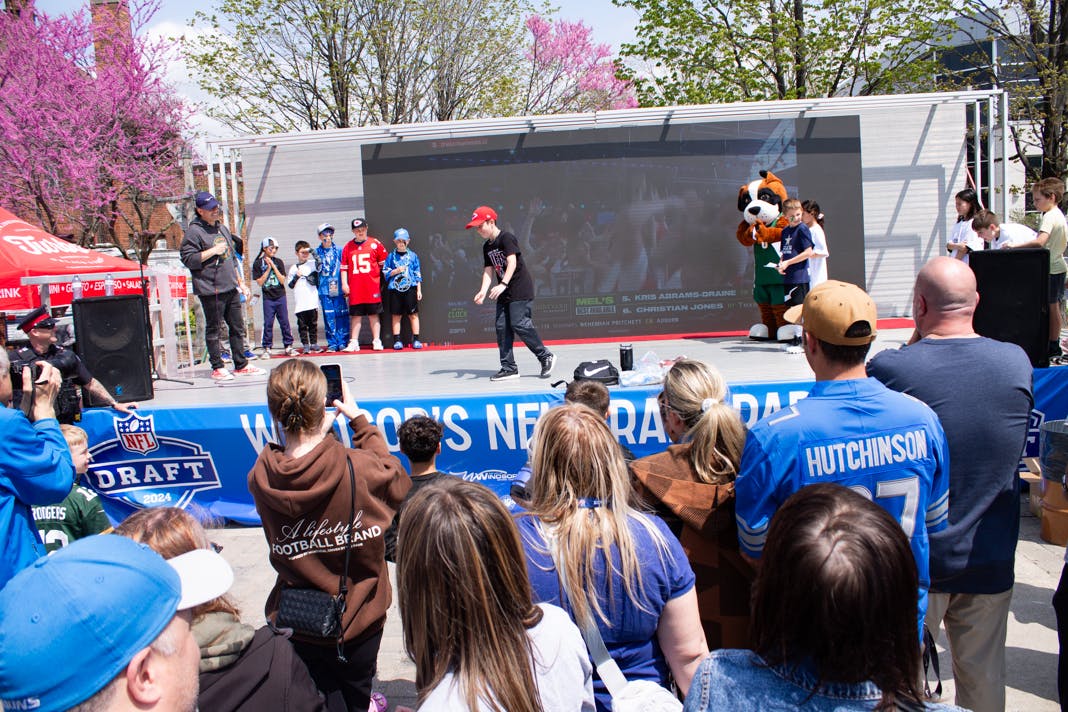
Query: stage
(194, 444)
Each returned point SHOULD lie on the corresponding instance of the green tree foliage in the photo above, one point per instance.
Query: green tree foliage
(1022, 46)
(704, 51)
(286, 65)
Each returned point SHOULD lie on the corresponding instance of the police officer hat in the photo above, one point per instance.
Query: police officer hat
(39, 318)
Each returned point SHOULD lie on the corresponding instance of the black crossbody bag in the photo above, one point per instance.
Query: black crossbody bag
(313, 612)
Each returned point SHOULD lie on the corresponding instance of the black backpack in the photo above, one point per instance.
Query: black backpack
(601, 371)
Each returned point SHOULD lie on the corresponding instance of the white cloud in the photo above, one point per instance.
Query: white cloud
(179, 76)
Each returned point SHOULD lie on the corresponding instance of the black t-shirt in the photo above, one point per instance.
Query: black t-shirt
(495, 254)
(390, 537)
(272, 288)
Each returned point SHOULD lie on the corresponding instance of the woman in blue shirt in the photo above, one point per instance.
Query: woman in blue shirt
(623, 569)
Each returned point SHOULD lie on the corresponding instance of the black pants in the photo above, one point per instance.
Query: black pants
(346, 686)
(308, 326)
(514, 319)
(218, 307)
(1060, 608)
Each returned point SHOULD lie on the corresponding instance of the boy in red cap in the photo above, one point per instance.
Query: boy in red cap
(514, 294)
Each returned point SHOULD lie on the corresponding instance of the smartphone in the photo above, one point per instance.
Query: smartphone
(332, 371)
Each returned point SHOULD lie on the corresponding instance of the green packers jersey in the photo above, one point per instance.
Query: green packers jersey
(78, 515)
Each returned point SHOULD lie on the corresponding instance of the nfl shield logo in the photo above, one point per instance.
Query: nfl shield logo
(137, 434)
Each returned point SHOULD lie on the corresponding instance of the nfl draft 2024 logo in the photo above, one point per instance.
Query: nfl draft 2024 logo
(145, 470)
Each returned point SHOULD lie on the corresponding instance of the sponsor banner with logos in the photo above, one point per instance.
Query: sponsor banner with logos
(201, 456)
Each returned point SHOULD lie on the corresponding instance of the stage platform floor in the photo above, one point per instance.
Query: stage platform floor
(464, 370)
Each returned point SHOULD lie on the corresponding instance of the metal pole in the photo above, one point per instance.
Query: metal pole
(224, 199)
(1004, 101)
(990, 159)
(236, 202)
(977, 146)
(211, 170)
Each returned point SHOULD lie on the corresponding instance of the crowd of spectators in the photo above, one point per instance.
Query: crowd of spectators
(806, 553)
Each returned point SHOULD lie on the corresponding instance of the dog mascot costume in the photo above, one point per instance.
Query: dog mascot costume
(761, 228)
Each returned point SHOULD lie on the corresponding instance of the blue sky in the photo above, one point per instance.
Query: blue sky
(610, 24)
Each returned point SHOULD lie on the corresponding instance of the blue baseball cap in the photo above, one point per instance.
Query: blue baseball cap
(206, 201)
(75, 619)
(401, 234)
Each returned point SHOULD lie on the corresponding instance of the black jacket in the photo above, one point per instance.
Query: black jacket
(268, 675)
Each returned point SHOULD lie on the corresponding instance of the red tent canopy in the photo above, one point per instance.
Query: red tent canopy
(28, 251)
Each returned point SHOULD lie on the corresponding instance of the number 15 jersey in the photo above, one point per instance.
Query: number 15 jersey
(361, 265)
(885, 445)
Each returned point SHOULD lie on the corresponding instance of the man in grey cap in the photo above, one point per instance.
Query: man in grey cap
(208, 250)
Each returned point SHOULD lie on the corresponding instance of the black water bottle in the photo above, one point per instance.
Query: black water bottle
(626, 357)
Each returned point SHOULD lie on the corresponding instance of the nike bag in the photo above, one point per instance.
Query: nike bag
(601, 371)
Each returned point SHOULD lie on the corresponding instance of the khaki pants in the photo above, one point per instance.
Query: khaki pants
(976, 626)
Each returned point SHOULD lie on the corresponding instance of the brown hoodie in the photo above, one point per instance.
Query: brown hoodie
(305, 504)
(668, 483)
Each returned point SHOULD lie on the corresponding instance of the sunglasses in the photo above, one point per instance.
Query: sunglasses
(661, 401)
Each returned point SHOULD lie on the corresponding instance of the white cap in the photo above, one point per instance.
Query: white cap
(205, 575)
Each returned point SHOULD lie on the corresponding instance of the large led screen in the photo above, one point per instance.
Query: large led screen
(626, 231)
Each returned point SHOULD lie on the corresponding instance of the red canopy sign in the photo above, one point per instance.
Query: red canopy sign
(28, 251)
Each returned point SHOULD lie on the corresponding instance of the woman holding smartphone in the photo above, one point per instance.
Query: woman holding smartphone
(316, 516)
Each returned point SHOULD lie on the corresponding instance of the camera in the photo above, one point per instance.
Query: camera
(68, 403)
(16, 373)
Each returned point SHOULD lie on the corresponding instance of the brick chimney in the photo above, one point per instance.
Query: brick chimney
(15, 7)
(111, 23)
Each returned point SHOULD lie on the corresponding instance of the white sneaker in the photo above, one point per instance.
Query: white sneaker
(352, 348)
(249, 370)
(376, 345)
(290, 351)
(221, 374)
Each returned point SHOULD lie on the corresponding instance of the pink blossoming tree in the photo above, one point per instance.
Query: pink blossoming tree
(81, 130)
(568, 72)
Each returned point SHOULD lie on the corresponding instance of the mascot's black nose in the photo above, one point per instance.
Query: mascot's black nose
(755, 210)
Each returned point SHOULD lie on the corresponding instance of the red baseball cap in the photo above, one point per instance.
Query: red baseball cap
(482, 214)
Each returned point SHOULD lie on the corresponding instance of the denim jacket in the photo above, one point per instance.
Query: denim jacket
(740, 680)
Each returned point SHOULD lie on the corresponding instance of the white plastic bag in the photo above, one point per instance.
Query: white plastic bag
(645, 696)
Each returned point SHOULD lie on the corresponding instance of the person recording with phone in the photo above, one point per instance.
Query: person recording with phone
(35, 463)
(208, 251)
(40, 329)
(351, 495)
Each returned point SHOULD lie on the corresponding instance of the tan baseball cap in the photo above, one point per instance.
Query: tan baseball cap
(839, 313)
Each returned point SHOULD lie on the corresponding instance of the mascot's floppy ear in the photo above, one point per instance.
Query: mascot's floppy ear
(773, 182)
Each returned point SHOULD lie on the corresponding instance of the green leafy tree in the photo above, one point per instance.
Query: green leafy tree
(703, 51)
(279, 65)
(1022, 46)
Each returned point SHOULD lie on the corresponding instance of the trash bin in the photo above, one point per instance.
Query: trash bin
(1053, 454)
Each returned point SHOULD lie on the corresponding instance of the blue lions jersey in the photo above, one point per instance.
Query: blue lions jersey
(885, 445)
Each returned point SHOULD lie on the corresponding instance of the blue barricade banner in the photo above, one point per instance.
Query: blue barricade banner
(202, 454)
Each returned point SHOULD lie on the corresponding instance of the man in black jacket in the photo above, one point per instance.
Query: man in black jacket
(208, 251)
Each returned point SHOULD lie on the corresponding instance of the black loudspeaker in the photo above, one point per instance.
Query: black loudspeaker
(1014, 299)
(112, 341)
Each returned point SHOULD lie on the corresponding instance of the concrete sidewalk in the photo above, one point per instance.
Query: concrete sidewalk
(1032, 643)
